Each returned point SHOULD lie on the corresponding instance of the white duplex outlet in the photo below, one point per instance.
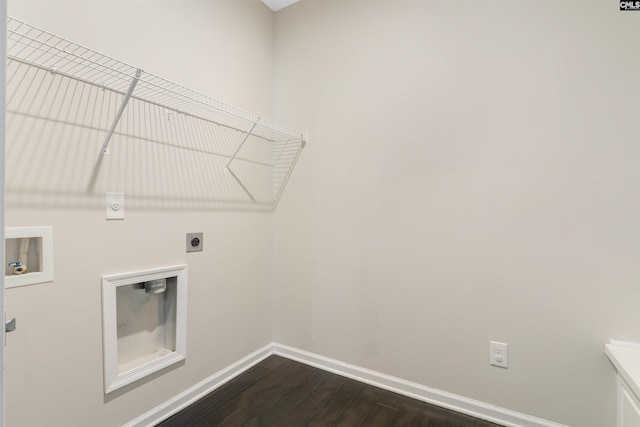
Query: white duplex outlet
(115, 205)
(498, 354)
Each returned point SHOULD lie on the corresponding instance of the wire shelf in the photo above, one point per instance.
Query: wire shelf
(255, 155)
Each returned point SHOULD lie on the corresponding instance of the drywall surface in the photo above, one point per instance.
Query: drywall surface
(472, 175)
(54, 359)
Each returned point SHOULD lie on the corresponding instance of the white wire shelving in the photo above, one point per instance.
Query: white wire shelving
(226, 154)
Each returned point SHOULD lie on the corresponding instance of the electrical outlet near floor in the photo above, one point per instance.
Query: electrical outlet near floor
(498, 354)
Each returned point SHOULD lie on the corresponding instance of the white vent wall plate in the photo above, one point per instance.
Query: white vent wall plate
(39, 256)
(142, 332)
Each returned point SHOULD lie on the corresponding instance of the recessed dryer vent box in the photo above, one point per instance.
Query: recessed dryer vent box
(144, 323)
(28, 256)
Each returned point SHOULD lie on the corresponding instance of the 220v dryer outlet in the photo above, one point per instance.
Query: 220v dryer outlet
(195, 242)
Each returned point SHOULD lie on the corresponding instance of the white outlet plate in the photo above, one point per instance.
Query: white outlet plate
(499, 354)
(115, 206)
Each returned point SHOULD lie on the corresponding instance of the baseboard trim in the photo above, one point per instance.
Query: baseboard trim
(485, 411)
(434, 396)
(189, 396)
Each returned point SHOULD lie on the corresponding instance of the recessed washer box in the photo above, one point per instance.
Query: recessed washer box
(144, 323)
(28, 256)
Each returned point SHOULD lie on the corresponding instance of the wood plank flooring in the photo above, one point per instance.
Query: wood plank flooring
(283, 393)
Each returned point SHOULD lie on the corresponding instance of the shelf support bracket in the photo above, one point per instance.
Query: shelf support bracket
(246, 136)
(253, 199)
(229, 171)
(127, 96)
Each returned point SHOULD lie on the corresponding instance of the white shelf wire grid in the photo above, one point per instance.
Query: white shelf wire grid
(37, 59)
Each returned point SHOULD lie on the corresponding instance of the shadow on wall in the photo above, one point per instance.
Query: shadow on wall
(159, 157)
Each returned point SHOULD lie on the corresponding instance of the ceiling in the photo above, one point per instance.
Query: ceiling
(276, 5)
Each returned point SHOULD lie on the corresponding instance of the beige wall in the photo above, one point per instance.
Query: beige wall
(54, 361)
(472, 175)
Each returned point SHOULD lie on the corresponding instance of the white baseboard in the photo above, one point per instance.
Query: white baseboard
(434, 396)
(189, 396)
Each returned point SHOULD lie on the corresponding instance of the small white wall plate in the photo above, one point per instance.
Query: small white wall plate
(115, 206)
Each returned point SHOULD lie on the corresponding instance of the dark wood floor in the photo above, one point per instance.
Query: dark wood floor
(281, 392)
